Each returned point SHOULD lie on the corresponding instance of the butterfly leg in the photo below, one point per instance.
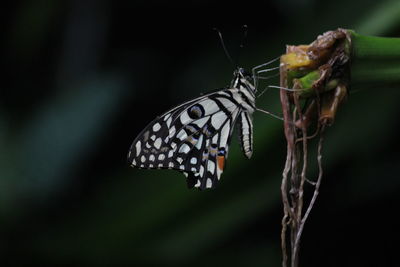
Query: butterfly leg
(253, 70)
(270, 113)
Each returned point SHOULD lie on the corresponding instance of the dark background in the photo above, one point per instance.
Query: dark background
(80, 79)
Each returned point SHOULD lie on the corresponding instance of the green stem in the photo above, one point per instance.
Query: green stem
(375, 60)
(374, 48)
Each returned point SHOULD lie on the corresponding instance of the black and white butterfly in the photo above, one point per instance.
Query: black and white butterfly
(194, 137)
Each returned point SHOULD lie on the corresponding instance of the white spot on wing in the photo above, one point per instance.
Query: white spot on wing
(170, 153)
(209, 106)
(169, 121)
(184, 149)
(157, 143)
(151, 157)
(199, 142)
(142, 159)
(167, 116)
(211, 166)
(185, 117)
(193, 160)
(201, 172)
(209, 183)
(224, 135)
(201, 122)
(138, 148)
(181, 135)
(161, 157)
(156, 127)
(215, 139)
(218, 119)
(172, 131)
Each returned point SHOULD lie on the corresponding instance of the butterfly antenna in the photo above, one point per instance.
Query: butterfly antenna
(244, 38)
(224, 47)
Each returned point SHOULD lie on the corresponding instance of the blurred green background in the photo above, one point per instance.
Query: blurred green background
(81, 79)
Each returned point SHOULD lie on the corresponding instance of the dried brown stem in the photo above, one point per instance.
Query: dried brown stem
(315, 194)
(284, 186)
(299, 223)
(322, 67)
(286, 209)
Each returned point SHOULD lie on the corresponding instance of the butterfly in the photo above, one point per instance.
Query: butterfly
(194, 137)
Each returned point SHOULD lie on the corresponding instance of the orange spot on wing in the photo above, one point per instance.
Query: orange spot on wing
(221, 162)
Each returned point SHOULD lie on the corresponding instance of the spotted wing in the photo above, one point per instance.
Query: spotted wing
(192, 138)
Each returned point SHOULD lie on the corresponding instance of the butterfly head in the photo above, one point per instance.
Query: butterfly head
(242, 78)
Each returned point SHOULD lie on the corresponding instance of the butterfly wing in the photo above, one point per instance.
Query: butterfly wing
(192, 138)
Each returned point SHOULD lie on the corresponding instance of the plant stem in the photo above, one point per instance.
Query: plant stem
(318, 76)
(374, 48)
(374, 60)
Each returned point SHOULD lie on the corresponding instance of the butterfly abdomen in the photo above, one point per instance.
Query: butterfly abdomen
(246, 133)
